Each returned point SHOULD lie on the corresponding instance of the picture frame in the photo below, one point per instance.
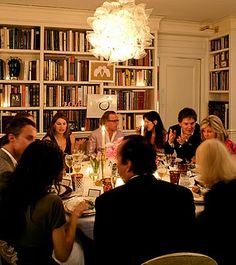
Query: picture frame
(101, 71)
(97, 104)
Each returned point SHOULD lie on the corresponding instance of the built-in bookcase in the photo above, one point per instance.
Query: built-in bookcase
(54, 76)
(219, 77)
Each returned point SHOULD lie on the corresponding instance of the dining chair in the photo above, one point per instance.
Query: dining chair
(181, 258)
(8, 255)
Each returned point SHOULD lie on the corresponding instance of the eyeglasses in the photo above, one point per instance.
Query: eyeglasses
(113, 120)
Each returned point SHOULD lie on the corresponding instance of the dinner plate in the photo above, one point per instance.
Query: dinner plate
(63, 190)
(71, 203)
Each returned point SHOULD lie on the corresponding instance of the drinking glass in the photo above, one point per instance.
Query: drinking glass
(69, 162)
(161, 170)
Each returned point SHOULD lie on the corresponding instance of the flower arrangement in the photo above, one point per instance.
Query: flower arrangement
(95, 162)
(111, 149)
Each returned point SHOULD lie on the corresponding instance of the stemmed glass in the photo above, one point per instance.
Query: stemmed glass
(69, 162)
(161, 170)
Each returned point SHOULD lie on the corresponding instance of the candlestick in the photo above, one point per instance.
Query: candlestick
(103, 161)
(142, 127)
(103, 136)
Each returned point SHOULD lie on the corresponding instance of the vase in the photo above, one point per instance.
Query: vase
(14, 65)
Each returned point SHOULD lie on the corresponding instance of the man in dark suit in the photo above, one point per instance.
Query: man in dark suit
(184, 137)
(145, 217)
(19, 134)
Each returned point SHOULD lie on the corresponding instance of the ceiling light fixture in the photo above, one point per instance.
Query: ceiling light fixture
(120, 31)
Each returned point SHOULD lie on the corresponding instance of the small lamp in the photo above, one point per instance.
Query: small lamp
(120, 31)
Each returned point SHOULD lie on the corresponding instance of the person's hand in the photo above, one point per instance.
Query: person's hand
(80, 208)
(138, 130)
(183, 138)
(172, 136)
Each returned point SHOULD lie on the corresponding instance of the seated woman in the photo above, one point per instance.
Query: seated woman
(59, 132)
(212, 127)
(154, 130)
(217, 221)
(33, 219)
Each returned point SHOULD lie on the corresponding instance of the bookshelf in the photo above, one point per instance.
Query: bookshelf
(219, 77)
(54, 76)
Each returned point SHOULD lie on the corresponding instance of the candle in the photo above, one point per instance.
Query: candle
(142, 127)
(103, 136)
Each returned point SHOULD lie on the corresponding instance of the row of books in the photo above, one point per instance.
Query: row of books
(219, 81)
(29, 70)
(7, 116)
(133, 77)
(68, 69)
(221, 109)
(219, 60)
(219, 44)
(146, 61)
(20, 38)
(129, 121)
(133, 100)
(71, 96)
(19, 95)
(66, 40)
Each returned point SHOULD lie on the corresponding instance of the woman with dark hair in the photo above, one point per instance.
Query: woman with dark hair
(59, 132)
(33, 219)
(154, 129)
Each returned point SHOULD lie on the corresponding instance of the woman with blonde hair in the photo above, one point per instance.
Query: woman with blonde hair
(212, 127)
(217, 221)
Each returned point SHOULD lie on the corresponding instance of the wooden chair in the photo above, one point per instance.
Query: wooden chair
(181, 258)
(7, 254)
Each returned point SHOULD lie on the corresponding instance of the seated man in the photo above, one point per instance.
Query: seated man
(19, 134)
(111, 122)
(184, 137)
(145, 217)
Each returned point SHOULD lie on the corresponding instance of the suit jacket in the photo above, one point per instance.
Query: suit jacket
(188, 149)
(6, 164)
(142, 219)
(217, 223)
(95, 140)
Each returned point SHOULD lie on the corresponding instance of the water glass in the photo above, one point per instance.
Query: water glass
(78, 183)
(174, 176)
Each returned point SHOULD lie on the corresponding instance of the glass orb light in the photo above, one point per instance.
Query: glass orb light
(120, 31)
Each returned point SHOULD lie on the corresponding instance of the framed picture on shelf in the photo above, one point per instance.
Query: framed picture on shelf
(97, 104)
(100, 71)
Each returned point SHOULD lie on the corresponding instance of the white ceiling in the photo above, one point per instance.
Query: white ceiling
(188, 10)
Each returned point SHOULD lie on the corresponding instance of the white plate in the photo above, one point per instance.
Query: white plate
(71, 203)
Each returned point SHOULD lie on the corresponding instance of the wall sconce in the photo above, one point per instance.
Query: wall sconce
(120, 31)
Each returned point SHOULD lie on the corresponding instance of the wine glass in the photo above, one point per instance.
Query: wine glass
(161, 170)
(76, 167)
(69, 162)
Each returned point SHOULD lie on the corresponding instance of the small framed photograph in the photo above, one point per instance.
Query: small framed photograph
(101, 71)
(94, 193)
(97, 104)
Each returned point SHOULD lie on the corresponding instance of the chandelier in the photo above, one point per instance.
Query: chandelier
(120, 31)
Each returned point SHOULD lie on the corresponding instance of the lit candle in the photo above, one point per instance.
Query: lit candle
(103, 136)
(142, 127)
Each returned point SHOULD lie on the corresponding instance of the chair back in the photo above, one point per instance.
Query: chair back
(7, 253)
(181, 258)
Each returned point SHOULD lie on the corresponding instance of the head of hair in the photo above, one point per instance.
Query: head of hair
(187, 113)
(216, 124)
(215, 162)
(159, 128)
(51, 130)
(38, 168)
(140, 152)
(23, 114)
(105, 116)
(15, 127)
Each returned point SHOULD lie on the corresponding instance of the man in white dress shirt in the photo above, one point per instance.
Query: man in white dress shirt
(111, 122)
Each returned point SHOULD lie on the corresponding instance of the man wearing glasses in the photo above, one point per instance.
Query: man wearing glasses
(111, 122)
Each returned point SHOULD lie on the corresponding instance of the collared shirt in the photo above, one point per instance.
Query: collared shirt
(10, 155)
